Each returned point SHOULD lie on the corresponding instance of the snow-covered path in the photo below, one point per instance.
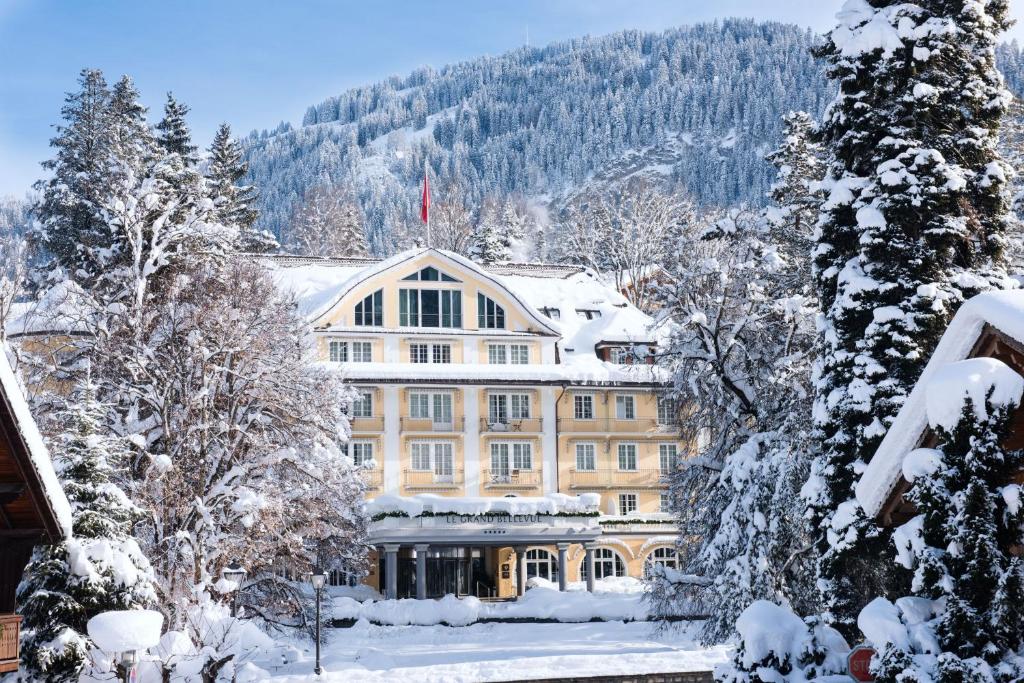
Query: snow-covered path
(498, 652)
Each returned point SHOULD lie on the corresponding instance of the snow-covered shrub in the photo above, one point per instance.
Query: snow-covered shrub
(777, 645)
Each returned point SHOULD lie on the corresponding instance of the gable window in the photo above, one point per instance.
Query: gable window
(430, 274)
(370, 311)
(618, 355)
(362, 352)
(625, 407)
(553, 313)
(583, 407)
(489, 314)
(362, 406)
(338, 351)
(668, 457)
(627, 503)
(585, 457)
(627, 457)
(429, 308)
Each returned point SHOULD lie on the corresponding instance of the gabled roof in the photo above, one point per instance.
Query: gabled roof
(33, 466)
(1003, 311)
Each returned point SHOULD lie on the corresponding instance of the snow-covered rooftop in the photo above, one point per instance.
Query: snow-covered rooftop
(1003, 310)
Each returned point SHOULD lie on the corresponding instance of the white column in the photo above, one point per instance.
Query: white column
(563, 566)
(392, 443)
(549, 438)
(469, 349)
(391, 349)
(421, 570)
(588, 560)
(547, 350)
(391, 570)
(471, 440)
(520, 551)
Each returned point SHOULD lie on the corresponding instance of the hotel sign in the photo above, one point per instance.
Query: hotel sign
(492, 519)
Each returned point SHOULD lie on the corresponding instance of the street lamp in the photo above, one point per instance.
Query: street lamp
(235, 573)
(318, 579)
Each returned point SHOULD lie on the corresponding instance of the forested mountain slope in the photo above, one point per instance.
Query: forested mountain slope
(699, 104)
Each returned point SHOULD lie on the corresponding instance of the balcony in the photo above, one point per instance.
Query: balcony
(429, 425)
(510, 480)
(10, 626)
(614, 479)
(611, 425)
(426, 480)
(530, 425)
(373, 478)
(371, 425)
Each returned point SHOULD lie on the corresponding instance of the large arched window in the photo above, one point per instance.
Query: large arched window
(489, 314)
(540, 562)
(662, 557)
(607, 563)
(370, 311)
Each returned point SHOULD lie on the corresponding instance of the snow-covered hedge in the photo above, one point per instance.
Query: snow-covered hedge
(427, 504)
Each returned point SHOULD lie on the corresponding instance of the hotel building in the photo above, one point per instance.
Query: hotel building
(508, 424)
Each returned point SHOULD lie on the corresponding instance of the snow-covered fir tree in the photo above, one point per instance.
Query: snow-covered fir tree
(741, 363)
(968, 586)
(912, 223)
(492, 242)
(99, 568)
(233, 202)
(327, 223)
(174, 134)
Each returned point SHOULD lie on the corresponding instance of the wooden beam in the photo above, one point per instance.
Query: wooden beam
(10, 491)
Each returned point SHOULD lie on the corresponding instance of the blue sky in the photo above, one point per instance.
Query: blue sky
(254, 63)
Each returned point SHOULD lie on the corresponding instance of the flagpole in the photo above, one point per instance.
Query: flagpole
(426, 183)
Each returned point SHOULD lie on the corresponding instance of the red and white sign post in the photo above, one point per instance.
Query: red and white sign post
(858, 663)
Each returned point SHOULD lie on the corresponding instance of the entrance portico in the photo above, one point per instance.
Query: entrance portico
(480, 555)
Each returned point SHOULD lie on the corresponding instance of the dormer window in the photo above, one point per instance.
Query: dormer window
(370, 311)
(588, 313)
(489, 314)
(552, 313)
(430, 274)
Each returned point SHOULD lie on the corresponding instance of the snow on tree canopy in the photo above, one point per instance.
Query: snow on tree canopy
(973, 378)
(124, 630)
(767, 628)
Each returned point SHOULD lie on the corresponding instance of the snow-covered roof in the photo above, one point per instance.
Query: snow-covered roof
(590, 312)
(1004, 311)
(39, 462)
(577, 372)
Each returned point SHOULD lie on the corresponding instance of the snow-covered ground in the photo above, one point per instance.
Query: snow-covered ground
(495, 652)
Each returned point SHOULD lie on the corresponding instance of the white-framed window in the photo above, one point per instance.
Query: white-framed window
(540, 562)
(627, 503)
(425, 405)
(441, 353)
(625, 407)
(420, 352)
(370, 311)
(588, 313)
(362, 406)
(668, 411)
(583, 406)
(362, 452)
(429, 308)
(607, 562)
(664, 556)
(519, 406)
(419, 405)
(586, 460)
(433, 456)
(553, 313)
(496, 354)
(664, 503)
(501, 408)
(489, 314)
(618, 354)
(668, 457)
(362, 352)
(510, 455)
(627, 457)
(338, 351)
(519, 354)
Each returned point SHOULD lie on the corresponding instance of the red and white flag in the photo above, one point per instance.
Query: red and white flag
(425, 203)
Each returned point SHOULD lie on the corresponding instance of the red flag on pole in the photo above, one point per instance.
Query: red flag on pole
(425, 204)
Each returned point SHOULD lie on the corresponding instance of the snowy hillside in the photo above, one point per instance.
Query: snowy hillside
(699, 104)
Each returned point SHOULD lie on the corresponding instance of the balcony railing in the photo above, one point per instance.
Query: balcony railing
(614, 479)
(10, 627)
(374, 478)
(368, 424)
(611, 425)
(425, 480)
(510, 479)
(529, 425)
(426, 424)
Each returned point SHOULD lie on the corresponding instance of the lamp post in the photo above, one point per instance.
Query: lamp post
(318, 579)
(235, 573)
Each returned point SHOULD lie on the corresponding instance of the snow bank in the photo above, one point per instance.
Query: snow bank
(766, 629)
(951, 386)
(550, 504)
(124, 630)
(612, 601)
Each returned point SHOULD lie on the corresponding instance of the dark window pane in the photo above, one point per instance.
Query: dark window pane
(456, 309)
(429, 273)
(431, 313)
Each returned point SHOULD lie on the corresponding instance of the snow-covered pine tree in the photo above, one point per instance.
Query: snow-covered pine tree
(132, 144)
(912, 223)
(741, 362)
(1011, 146)
(327, 223)
(233, 202)
(101, 567)
(961, 545)
(175, 136)
(491, 243)
(68, 213)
